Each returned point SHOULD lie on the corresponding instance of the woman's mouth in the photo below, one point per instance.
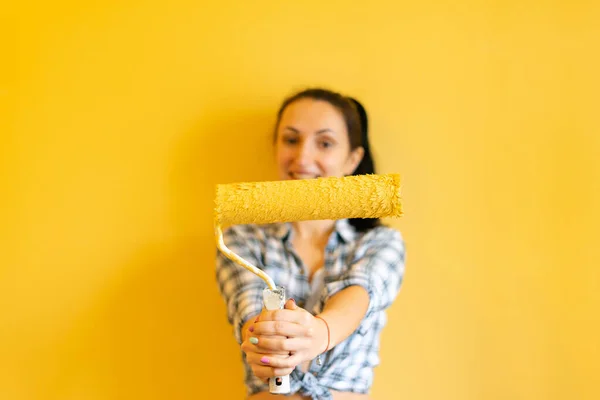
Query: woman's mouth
(302, 175)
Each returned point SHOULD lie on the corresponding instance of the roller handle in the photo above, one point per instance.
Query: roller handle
(275, 300)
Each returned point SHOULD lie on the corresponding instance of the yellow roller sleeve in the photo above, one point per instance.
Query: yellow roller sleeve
(363, 196)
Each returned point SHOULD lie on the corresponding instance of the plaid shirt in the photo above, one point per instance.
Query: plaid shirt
(373, 260)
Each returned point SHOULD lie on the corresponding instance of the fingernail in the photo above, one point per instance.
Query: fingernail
(264, 360)
(254, 340)
(251, 329)
(293, 301)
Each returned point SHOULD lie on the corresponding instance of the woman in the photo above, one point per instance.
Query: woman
(342, 274)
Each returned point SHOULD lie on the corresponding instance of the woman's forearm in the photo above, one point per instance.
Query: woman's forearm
(344, 311)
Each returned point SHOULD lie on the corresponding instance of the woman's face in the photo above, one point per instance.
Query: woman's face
(312, 141)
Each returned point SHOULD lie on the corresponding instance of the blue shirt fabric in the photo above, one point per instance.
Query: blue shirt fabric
(373, 260)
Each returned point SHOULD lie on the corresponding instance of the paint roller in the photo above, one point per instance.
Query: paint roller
(332, 198)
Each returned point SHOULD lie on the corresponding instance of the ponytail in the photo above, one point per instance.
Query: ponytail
(366, 165)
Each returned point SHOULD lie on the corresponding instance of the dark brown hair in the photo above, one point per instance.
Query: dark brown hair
(357, 124)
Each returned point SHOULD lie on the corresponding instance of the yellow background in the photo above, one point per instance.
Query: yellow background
(119, 117)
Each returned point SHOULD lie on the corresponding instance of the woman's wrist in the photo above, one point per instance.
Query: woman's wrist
(322, 336)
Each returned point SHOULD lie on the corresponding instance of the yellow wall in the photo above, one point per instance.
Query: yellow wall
(119, 118)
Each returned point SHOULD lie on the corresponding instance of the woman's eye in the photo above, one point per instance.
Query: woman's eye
(290, 140)
(326, 144)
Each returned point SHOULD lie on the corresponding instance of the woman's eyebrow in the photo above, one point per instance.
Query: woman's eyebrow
(291, 128)
(324, 131)
(320, 131)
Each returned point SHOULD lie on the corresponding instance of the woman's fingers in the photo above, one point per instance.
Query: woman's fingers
(280, 328)
(297, 316)
(251, 345)
(270, 345)
(291, 305)
(276, 345)
(269, 365)
(278, 364)
(276, 341)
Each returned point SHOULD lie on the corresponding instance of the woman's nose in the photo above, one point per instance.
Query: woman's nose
(304, 153)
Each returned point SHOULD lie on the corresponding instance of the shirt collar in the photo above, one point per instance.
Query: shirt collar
(345, 230)
(282, 231)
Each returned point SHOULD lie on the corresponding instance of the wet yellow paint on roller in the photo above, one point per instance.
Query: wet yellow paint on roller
(364, 196)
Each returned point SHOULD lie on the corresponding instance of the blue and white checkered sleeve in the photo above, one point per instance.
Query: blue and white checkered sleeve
(378, 266)
(241, 289)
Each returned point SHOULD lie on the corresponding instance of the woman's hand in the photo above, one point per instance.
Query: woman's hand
(255, 353)
(286, 339)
